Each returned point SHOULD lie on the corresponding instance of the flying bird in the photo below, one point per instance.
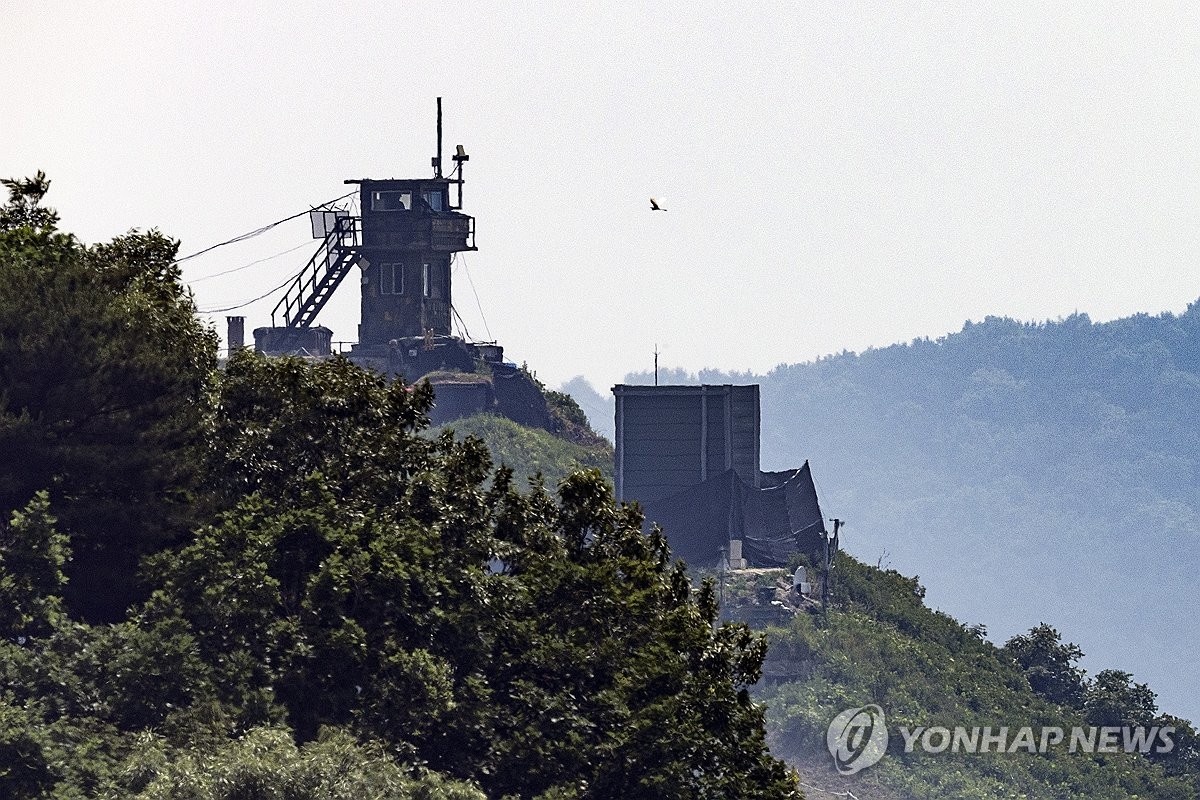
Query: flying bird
(654, 206)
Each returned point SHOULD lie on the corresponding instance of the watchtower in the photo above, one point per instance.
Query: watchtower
(410, 230)
(403, 240)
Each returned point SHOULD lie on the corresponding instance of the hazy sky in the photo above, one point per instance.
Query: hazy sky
(837, 175)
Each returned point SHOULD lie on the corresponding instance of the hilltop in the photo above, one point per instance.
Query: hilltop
(567, 442)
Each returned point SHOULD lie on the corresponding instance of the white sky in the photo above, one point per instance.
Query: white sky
(837, 175)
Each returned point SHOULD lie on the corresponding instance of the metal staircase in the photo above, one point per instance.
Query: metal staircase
(307, 295)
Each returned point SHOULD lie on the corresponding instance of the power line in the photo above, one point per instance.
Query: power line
(259, 231)
(477, 303)
(251, 264)
(461, 324)
(291, 278)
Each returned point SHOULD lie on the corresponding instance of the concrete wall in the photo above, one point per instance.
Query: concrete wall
(454, 400)
(315, 341)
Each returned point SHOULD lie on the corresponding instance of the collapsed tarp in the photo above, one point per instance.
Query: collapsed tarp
(779, 517)
(782, 517)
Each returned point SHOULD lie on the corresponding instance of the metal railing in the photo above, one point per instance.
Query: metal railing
(307, 294)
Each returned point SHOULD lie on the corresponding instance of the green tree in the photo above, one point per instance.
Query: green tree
(1113, 699)
(103, 373)
(24, 208)
(880, 644)
(373, 578)
(613, 680)
(277, 421)
(531, 451)
(266, 764)
(32, 555)
(1184, 756)
(1049, 664)
(24, 769)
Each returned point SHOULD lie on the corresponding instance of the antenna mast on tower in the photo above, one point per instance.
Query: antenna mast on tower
(437, 160)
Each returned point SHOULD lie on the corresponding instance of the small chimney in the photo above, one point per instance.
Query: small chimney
(237, 333)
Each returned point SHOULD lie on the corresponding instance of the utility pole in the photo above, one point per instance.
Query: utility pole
(724, 568)
(656, 363)
(831, 548)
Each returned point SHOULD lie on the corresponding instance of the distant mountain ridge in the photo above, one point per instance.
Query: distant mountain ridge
(1026, 471)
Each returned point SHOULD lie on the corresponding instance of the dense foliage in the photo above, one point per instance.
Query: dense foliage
(266, 764)
(882, 645)
(1050, 665)
(530, 452)
(103, 368)
(334, 604)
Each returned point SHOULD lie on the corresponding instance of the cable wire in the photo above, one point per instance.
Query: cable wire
(455, 320)
(251, 264)
(478, 305)
(260, 297)
(259, 231)
(461, 324)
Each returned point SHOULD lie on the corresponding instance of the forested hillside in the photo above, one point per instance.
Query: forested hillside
(881, 645)
(1026, 472)
(530, 453)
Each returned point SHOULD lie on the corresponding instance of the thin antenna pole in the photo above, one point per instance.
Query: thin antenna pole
(437, 165)
(825, 580)
(831, 549)
(724, 568)
(656, 363)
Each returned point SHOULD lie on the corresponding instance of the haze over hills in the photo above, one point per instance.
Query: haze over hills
(1027, 472)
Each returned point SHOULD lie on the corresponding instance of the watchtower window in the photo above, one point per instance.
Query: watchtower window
(433, 198)
(391, 201)
(391, 279)
(427, 289)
